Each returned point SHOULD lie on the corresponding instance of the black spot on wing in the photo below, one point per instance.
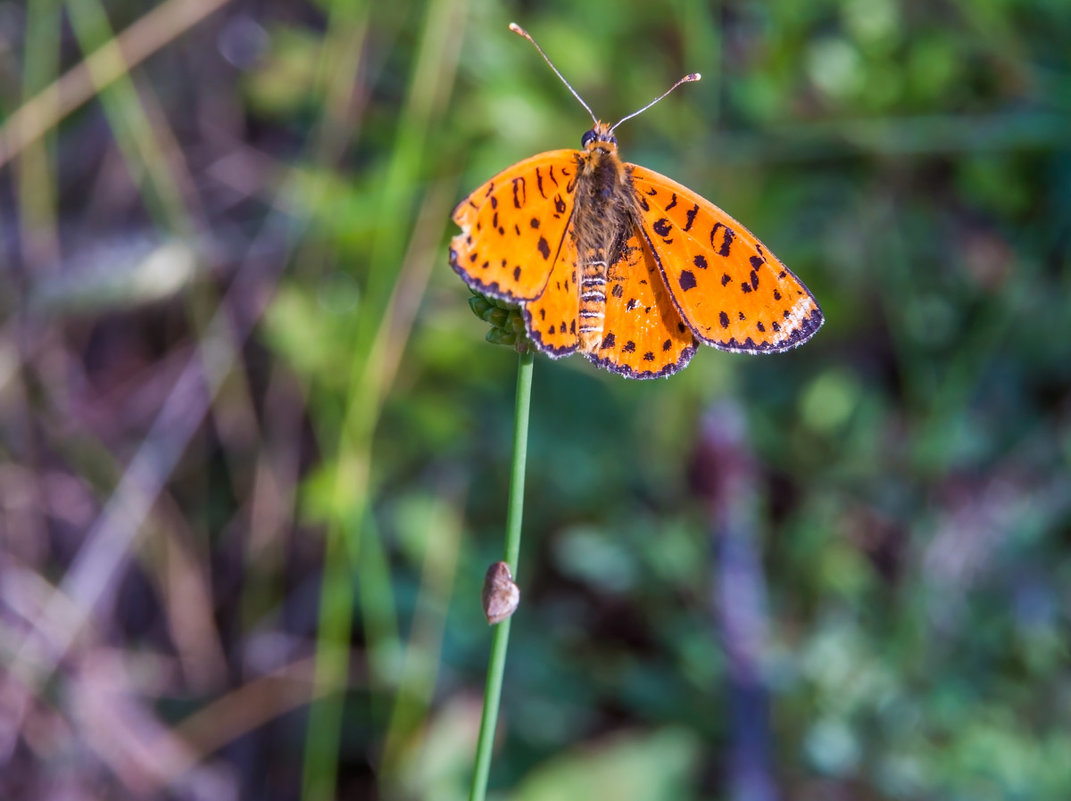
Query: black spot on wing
(726, 237)
(520, 194)
(691, 217)
(723, 318)
(662, 227)
(687, 280)
(544, 248)
(700, 261)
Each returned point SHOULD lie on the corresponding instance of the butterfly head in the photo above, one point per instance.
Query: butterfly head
(599, 138)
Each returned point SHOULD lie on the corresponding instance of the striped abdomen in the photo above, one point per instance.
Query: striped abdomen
(592, 266)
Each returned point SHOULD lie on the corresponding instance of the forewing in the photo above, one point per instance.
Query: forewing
(729, 288)
(551, 318)
(643, 333)
(513, 226)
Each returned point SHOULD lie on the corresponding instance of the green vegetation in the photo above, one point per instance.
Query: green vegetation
(255, 452)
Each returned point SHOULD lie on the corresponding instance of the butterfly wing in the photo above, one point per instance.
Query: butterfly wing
(643, 333)
(513, 226)
(731, 290)
(551, 319)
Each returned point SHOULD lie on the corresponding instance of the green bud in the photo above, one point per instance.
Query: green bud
(505, 319)
(497, 336)
(479, 305)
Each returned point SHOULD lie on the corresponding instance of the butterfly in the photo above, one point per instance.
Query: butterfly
(623, 264)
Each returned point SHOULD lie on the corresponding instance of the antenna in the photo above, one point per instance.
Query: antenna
(517, 29)
(689, 78)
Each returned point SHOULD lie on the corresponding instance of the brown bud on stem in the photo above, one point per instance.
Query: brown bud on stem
(500, 595)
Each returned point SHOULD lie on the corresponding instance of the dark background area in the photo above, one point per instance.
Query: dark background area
(254, 450)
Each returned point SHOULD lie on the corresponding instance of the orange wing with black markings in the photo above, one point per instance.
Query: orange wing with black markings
(643, 334)
(551, 319)
(731, 290)
(513, 227)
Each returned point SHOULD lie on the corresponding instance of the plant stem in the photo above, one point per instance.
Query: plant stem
(500, 639)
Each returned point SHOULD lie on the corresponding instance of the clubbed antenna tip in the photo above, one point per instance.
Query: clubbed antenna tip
(689, 78)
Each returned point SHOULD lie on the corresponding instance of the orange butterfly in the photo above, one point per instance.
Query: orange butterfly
(623, 264)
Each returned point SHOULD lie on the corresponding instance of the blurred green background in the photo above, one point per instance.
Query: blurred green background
(254, 450)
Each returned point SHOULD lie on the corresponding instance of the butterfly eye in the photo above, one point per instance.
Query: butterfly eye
(587, 138)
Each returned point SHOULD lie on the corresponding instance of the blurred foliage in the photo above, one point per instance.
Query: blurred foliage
(268, 198)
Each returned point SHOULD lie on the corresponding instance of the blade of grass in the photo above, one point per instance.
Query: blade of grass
(500, 640)
(379, 617)
(110, 61)
(370, 375)
(420, 667)
(701, 41)
(128, 120)
(36, 168)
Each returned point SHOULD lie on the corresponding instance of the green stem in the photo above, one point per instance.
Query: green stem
(500, 639)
